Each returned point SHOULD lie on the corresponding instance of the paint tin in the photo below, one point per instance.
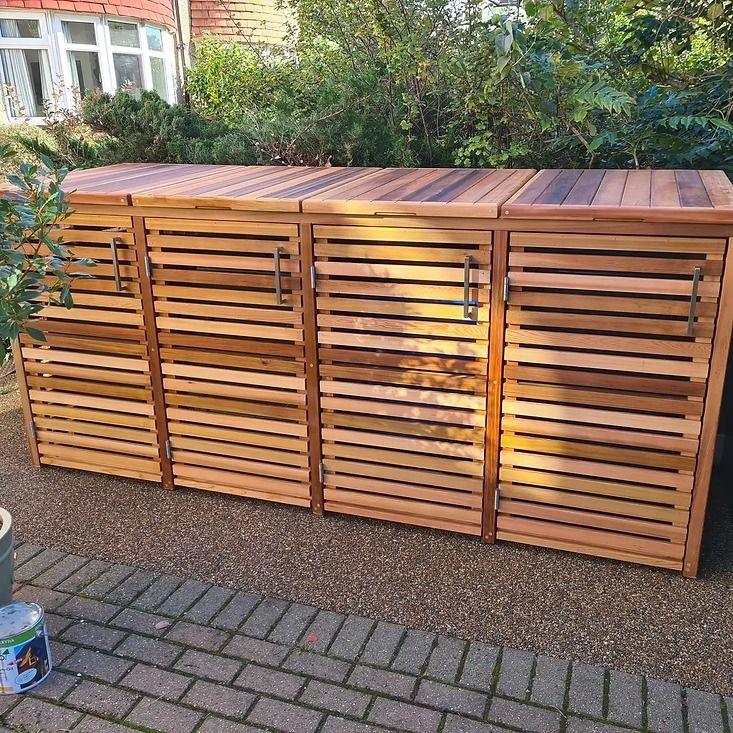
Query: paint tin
(25, 657)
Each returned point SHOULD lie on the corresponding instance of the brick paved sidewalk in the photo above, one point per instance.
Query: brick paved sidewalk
(135, 650)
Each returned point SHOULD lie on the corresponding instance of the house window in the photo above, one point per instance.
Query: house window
(62, 56)
(25, 68)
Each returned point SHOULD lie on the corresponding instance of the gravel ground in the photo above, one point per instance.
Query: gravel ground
(629, 617)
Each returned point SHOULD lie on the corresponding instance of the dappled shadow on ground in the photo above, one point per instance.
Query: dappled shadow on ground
(630, 617)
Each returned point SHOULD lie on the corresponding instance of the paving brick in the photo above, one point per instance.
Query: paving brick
(142, 622)
(93, 635)
(459, 724)
(236, 611)
(95, 664)
(578, 725)
(284, 716)
(183, 597)
(203, 637)
(256, 650)
(270, 681)
(151, 651)
(515, 673)
(664, 706)
(315, 665)
(102, 699)
(728, 702)
(131, 587)
(219, 725)
(55, 686)
(157, 593)
(293, 623)
(382, 644)
(58, 572)
(24, 552)
(262, 620)
(395, 684)
(88, 609)
(625, 701)
(341, 725)
(102, 585)
(404, 717)
(478, 669)
(322, 631)
(446, 659)
(32, 714)
(453, 699)
(414, 651)
(36, 565)
(90, 724)
(704, 712)
(60, 651)
(528, 718)
(81, 578)
(159, 683)
(57, 624)
(335, 699)
(49, 599)
(201, 664)
(219, 699)
(209, 605)
(550, 681)
(586, 689)
(351, 637)
(164, 717)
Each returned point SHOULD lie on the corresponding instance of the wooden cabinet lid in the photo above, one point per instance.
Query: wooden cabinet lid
(421, 191)
(249, 188)
(636, 195)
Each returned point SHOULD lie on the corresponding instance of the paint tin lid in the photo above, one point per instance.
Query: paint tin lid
(17, 619)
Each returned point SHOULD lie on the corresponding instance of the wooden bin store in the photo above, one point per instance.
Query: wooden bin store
(533, 357)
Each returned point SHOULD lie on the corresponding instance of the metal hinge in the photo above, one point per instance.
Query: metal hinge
(496, 499)
(33, 430)
(321, 472)
(168, 449)
(313, 277)
(506, 288)
(147, 265)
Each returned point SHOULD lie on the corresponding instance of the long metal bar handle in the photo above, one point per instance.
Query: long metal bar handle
(696, 275)
(467, 286)
(278, 280)
(116, 262)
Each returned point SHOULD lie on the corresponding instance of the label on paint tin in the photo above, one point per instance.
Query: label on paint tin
(25, 657)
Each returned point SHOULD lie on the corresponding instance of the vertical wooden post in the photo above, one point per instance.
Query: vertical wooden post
(497, 315)
(711, 418)
(25, 403)
(312, 376)
(151, 338)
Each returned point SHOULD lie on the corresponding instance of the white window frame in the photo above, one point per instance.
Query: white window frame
(45, 43)
(54, 43)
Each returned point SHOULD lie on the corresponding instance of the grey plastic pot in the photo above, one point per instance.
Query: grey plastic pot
(6, 557)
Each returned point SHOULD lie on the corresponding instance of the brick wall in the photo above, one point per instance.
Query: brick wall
(156, 11)
(259, 21)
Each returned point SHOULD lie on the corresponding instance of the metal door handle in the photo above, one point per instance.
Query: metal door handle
(278, 281)
(116, 263)
(696, 275)
(467, 286)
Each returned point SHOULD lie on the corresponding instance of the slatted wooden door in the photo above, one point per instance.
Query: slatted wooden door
(608, 341)
(403, 346)
(229, 312)
(89, 382)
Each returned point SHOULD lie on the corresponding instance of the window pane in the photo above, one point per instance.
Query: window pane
(28, 75)
(157, 67)
(85, 71)
(124, 34)
(155, 38)
(127, 72)
(76, 32)
(19, 28)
